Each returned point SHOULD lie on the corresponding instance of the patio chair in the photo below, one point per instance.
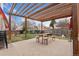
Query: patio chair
(37, 39)
(45, 40)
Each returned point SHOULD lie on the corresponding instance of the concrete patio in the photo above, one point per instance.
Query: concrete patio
(31, 48)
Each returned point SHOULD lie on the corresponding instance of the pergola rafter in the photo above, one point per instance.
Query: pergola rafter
(19, 8)
(24, 8)
(48, 6)
(53, 10)
(35, 7)
(28, 8)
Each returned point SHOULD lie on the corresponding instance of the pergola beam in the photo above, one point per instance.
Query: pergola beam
(24, 17)
(47, 19)
(17, 15)
(13, 6)
(35, 19)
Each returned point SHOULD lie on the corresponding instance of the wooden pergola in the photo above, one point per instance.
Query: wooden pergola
(47, 11)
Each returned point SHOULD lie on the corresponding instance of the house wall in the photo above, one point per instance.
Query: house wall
(60, 32)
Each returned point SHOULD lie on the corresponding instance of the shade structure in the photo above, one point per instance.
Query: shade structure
(47, 11)
(41, 11)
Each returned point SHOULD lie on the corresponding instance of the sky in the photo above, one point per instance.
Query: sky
(19, 20)
(6, 7)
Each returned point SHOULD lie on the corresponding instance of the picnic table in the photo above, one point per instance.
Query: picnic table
(44, 38)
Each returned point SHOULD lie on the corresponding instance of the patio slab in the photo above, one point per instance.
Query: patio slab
(31, 48)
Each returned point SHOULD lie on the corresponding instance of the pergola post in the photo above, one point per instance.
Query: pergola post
(41, 26)
(75, 29)
(42, 31)
(9, 27)
(25, 27)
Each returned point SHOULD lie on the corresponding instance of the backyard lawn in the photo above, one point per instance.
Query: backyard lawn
(21, 37)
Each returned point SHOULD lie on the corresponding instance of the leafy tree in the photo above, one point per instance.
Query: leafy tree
(52, 23)
(30, 25)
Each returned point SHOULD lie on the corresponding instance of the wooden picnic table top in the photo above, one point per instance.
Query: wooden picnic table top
(45, 34)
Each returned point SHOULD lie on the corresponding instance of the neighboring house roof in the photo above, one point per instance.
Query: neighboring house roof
(43, 28)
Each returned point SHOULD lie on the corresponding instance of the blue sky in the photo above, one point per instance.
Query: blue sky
(6, 7)
(18, 20)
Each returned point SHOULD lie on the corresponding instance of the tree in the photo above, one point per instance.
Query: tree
(52, 23)
(30, 26)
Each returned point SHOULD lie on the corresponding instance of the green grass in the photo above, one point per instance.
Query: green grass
(21, 37)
